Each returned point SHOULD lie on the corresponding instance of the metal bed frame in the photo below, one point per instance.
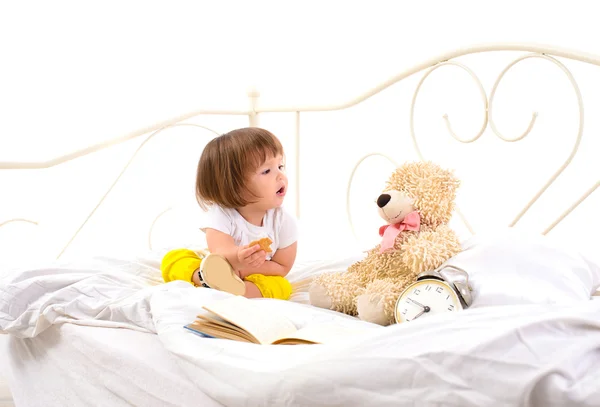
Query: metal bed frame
(550, 54)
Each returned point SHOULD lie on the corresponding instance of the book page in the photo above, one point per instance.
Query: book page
(213, 319)
(218, 331)
(321, 334)
(205, 323)
(261, 324)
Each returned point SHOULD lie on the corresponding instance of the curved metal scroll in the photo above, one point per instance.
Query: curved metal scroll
(160, 215)
(121, 174)
(532, 122)
(488, 117)
(6, 222)
(447, 120)
(445, 117)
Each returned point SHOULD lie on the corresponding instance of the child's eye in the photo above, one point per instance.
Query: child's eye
(281, 167)
(266, 171)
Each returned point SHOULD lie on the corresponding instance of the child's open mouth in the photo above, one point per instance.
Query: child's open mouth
(281, 191)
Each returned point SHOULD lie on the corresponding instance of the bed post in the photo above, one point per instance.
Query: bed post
(253, 95)
(297, 164)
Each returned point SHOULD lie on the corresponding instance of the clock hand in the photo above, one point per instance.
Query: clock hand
(425, 309)
(419, 304)
(418, 315)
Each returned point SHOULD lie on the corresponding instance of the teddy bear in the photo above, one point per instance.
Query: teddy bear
(416, 205)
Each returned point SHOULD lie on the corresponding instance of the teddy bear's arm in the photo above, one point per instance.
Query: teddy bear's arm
(427, 250)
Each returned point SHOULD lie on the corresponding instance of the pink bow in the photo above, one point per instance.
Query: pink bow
(412, 221)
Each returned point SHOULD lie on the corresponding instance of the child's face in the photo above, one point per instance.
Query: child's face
(270, 183)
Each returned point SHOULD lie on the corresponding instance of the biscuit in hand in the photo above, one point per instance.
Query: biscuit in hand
(264, 243)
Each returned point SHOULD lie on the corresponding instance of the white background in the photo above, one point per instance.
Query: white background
(75, 73)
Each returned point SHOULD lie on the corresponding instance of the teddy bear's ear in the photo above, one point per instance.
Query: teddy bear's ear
(451, 180)
(433, 187)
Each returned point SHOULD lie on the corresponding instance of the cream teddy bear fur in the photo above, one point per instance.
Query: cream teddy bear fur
(370, 288)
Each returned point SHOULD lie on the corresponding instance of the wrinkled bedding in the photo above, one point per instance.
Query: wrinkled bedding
(109, 329)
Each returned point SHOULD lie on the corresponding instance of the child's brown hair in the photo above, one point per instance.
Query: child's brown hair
(226, 163)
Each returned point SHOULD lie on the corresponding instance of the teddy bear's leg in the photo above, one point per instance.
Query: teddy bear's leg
(337, 291)
(378, 302)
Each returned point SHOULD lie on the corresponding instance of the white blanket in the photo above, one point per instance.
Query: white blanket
(517, 355)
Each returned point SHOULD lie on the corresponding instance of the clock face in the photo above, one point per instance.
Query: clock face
(426, 297)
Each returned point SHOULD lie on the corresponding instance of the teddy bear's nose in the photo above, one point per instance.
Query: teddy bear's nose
(383, 200)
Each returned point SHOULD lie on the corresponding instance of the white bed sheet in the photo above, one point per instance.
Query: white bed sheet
(91, 366)
(513, 355)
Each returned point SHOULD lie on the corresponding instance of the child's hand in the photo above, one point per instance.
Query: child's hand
(251, 257)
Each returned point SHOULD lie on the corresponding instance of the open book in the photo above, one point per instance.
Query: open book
(240, 319)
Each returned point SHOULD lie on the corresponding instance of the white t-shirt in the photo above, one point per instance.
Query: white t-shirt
(278, 225)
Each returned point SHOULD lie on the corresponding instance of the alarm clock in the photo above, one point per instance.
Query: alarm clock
(445, 289)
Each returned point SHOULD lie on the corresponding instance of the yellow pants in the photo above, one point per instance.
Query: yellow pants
(180, 264)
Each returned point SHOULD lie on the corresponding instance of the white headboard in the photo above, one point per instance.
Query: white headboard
(410, 101)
